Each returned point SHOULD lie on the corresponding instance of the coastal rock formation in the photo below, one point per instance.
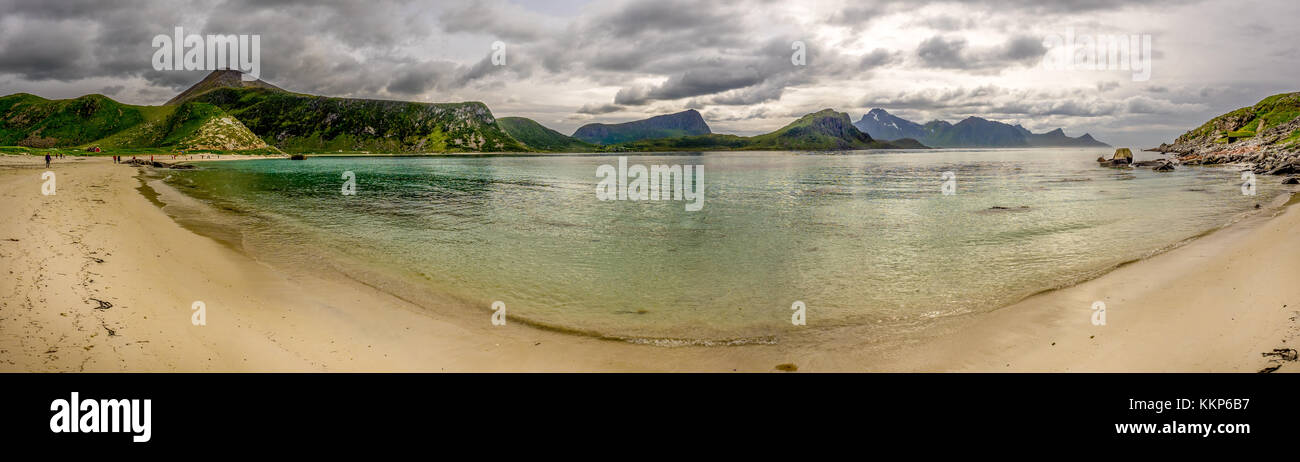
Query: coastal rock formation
(1266, 136)
(156, 164)
(1122, 158)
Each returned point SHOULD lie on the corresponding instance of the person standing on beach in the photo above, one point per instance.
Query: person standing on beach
(47, 161)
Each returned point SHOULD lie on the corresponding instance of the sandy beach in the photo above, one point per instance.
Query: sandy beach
(101, 279)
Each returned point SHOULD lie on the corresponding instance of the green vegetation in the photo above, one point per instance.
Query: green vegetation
(74, 125)
(306, 123)
(1245, 122)
(31, 121)
(223, 113)
(537, 137)
(1293, 140)
(681, 124)
(190, 126)
(710, 142)
(825, 129)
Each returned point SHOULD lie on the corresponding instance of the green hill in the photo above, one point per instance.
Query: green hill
(190, 126)
(1243, 123)
(824, 129)
(685, 123)
(96, 120)
(215, 80)
(307, 123)
(32, 121)
(1266, 135)
(537, 137)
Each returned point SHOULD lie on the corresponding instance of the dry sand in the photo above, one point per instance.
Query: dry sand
(1213, 305)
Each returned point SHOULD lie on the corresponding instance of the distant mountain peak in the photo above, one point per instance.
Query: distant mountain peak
(684, 123)
(880, 124)
(221, 78)
(972, 131)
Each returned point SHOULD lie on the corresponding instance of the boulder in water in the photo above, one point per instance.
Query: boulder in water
(1122, 157)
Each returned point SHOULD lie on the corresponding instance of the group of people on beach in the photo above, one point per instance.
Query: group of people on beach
(118, 159)
(48, 158)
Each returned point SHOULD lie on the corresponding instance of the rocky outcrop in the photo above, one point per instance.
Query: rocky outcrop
(1265, 136)
(1123, 157)
(156, 164)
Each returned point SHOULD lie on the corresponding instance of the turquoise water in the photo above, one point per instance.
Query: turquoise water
(860, 237)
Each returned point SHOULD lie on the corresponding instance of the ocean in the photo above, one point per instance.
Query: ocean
(859, 237)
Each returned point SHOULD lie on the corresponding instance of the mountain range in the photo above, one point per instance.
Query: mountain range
(223, 112)
(823, 130)
(971, 132)
(296, 122)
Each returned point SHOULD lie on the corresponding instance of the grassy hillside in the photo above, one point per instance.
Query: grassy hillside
(307, 123)
(96, 120)
(710, 142)
(685, 123)
(537, 137)
(31, 121)
(190, 126)
(825, 129)
(1246, 122)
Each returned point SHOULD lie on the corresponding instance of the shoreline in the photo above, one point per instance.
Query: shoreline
(277, 322)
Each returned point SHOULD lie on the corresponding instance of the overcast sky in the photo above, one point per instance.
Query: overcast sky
(571, 62)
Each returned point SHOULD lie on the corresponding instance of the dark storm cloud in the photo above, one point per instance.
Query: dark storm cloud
(648, 56)
(943, 52)
(644, 18)
(595, 109)
(955, 103)
(44, 50)
(692, 83)
(77, 39)
(493, 18)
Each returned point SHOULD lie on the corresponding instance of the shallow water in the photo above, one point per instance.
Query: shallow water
(860, 237)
